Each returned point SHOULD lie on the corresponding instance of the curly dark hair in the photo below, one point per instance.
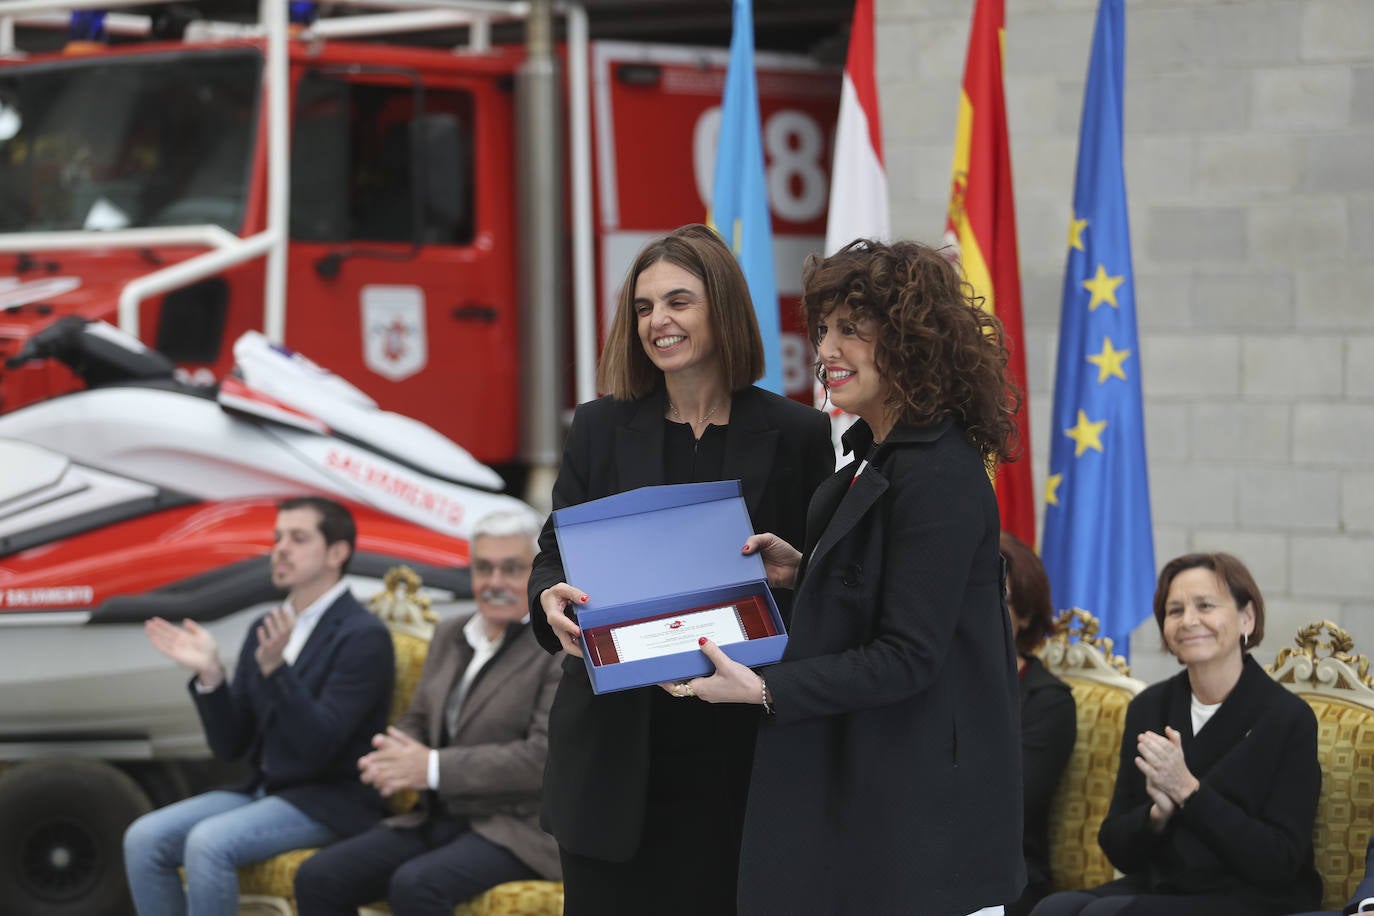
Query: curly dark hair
(943, 355)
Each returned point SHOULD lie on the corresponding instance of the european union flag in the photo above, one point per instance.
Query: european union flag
(1098, 545)
(739, 195)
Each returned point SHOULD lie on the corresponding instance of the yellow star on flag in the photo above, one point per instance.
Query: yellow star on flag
(1076, 227)
(1052, 483)
(1109, 361)
(1103, 288)
(1086, 434)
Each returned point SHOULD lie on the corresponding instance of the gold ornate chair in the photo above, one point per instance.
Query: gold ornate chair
(1325, 671)
(1102, 689)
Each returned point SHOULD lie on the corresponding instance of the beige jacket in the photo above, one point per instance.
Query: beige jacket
(492, 771)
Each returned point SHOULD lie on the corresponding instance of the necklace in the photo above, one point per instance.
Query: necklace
(672, 408)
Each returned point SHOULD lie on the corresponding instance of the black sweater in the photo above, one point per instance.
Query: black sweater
(1247, 832)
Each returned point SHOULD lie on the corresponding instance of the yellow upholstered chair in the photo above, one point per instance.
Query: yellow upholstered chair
(514, 898)
(1102, 689)
(1326, 672)
(268, 886)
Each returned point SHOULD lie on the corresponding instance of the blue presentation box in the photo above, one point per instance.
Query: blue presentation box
(656, 552)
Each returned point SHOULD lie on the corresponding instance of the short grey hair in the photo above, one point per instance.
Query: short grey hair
(506, 523)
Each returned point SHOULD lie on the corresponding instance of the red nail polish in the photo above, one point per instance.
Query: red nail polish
(586, 598)
(702, 641)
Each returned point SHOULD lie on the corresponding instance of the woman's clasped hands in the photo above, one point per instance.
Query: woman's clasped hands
(1168, 781)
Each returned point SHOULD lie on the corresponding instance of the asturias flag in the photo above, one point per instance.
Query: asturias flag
(1098, 546)
(739, 195)
(981, 232)
(858, 183)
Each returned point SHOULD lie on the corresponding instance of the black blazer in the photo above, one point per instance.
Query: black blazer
(595, 783)
(1247, 832)
(304, 727)
(889, 780)
(1049, 726)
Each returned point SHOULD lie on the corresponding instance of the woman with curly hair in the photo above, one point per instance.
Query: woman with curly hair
(887, 775)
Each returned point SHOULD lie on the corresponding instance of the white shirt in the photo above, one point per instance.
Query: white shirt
(483, 651)
(1202, 713)
(306, 620)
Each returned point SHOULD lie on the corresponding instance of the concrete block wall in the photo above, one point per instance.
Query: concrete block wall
(1249, 148)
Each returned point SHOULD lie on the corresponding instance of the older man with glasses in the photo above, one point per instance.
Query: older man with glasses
(473, 743)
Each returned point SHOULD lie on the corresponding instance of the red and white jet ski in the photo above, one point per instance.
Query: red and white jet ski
(144, 496)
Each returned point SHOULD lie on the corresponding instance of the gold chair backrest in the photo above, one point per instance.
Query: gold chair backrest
(1102, 689)
(406, 611)
(1325, 670)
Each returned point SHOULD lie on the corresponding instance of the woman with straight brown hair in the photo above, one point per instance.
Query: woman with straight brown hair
(1216, 792)
(644, 793)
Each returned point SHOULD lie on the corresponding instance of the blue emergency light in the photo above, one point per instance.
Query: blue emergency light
(86, 25)
(302, 12)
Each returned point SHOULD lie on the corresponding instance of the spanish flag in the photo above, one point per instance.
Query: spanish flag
(981, 231)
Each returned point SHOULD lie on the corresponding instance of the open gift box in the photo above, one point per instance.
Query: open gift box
(662, 567)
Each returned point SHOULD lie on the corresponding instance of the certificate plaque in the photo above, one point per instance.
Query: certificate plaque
(668, 634)
(664, 568)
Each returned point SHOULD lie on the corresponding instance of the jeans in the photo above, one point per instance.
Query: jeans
(420, 871)
(211, 835)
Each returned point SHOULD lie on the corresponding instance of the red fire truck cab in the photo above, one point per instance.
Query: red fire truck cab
(126, 168)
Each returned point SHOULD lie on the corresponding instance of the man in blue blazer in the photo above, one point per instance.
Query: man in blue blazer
(312, 685)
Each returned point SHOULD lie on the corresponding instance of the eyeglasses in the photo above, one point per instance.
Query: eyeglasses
(509, 568)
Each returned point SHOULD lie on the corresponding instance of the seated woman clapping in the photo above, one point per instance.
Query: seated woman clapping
(1217, 786)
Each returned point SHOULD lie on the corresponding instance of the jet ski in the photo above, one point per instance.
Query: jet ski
(144, 495)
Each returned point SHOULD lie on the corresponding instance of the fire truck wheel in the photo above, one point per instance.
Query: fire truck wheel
(61, 837)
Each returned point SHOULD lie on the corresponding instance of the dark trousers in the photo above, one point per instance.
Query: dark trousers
(686, 865)
(1123, 897)
(419, 871)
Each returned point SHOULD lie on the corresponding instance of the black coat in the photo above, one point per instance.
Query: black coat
(889, 780)
(595, 782)
(1049, 726)
(1247, 832)
(304, 727)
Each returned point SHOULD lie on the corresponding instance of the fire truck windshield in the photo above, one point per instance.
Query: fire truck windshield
(104, 143)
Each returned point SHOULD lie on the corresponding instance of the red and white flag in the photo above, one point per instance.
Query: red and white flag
(858, 182)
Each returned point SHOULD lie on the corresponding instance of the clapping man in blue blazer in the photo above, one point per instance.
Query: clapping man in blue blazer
(311, 687)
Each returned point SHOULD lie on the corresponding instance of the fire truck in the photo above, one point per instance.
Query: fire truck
(444, 228)
(365, 204)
